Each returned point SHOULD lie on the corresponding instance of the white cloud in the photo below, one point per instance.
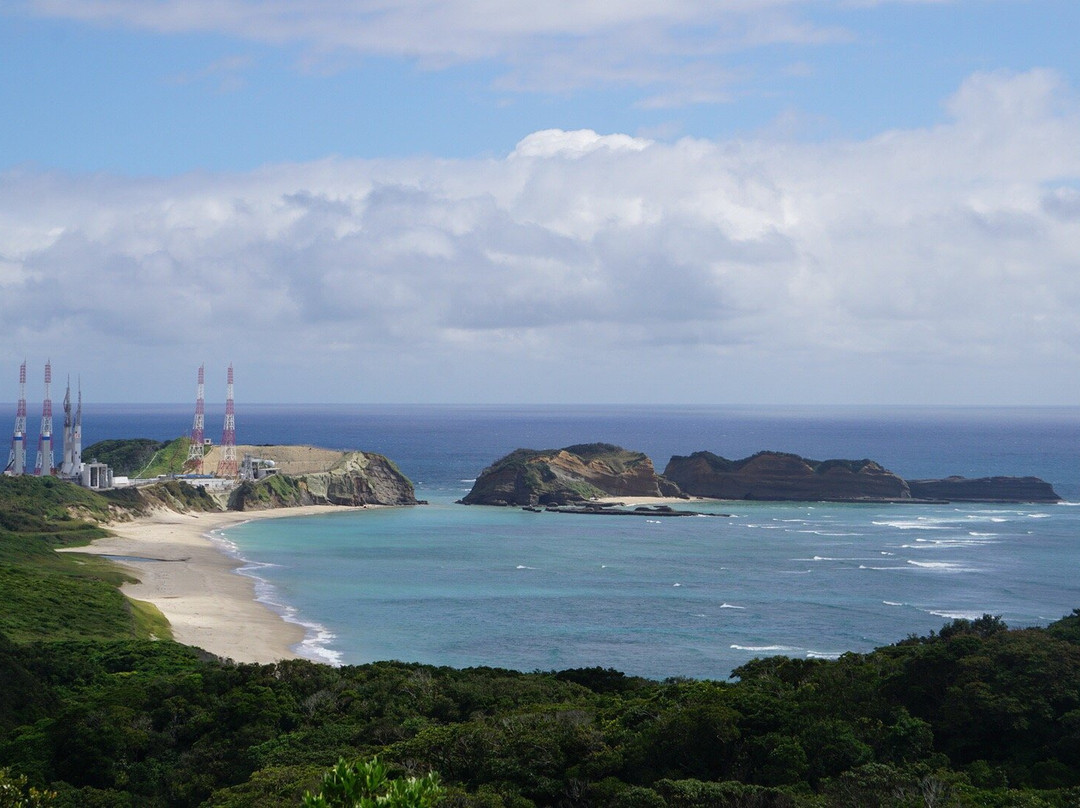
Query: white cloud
(556, 142)
(549, 47)
(955, 244)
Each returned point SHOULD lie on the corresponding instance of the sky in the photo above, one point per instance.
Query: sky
(700, 202)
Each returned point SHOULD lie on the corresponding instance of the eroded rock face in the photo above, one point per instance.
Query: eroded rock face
(782, 476)
(985, 489)
(359, 478)
(362, 479)
(573, 474)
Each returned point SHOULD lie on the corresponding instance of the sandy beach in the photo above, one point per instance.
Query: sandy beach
(196, 586)
(636, 501)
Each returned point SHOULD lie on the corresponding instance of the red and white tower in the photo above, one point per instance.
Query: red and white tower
(227, 465)
(44, 464)
(195, 452)
(17, 461)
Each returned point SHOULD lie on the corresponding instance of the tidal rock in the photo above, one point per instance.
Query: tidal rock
(985, 489)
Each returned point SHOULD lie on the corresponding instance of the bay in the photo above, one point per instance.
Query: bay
(463, 586)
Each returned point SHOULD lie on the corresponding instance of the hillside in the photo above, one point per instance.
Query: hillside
(562, 476)
(354, 478)
(48, 595)
(140, 457)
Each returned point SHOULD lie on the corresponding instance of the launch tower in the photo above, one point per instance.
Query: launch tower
(227, 466)
(17, 461)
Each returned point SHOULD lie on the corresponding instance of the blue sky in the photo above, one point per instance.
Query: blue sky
(108, 94)
(790, 201)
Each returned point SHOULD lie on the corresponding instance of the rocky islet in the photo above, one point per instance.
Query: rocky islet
(577, 474)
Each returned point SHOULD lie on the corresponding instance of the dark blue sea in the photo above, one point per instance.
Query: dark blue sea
(463, 586)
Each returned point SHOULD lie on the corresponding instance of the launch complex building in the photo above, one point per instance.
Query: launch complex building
(98, 475)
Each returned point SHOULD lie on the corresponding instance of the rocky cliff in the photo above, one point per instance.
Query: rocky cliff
(985, 489)
(573, 474)
(358, 478)
(782, 476)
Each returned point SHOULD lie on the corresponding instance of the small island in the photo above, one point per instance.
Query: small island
(782, 476)
(528, 477)
(587, 472)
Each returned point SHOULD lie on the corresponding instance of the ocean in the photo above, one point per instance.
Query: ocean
(448, 584)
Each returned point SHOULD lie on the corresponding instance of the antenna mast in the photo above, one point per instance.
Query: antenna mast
(195, 451)
(17, 461)
(227, 465)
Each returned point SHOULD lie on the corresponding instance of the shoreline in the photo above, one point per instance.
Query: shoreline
(200, 587)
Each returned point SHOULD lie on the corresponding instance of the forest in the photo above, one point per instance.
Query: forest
(93, 712)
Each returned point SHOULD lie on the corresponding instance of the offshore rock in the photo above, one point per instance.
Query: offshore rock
(527, 477)
(358, 478)
(783, 476)
(985, 489)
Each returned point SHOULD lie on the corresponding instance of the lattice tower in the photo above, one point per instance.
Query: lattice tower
(17, 461)
(227, 466)
(44, 464)
(195, 452)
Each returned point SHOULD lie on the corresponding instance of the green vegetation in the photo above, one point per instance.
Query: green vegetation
(169, 459)
(141, 457)
(15, 793)
(975, 715)
(367, 785)
(176, 495)
(277, 490)
(51, 508)
(124, 456)
(722, 464)
(618, 458)
(54, 596)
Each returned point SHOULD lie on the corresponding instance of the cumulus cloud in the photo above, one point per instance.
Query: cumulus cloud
(955, 245)
(552, 142)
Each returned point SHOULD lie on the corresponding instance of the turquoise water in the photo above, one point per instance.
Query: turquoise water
(455, 585)
(698, 596)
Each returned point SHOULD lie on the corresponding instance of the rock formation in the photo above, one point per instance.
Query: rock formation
(782, 476)
(985, 489)
(358, 478)
(561, 476)
(577, 474)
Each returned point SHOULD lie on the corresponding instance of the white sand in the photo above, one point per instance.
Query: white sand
(673, 501)
(195, 584)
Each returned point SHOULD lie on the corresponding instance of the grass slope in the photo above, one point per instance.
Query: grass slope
(140, 457)
(45, 595)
